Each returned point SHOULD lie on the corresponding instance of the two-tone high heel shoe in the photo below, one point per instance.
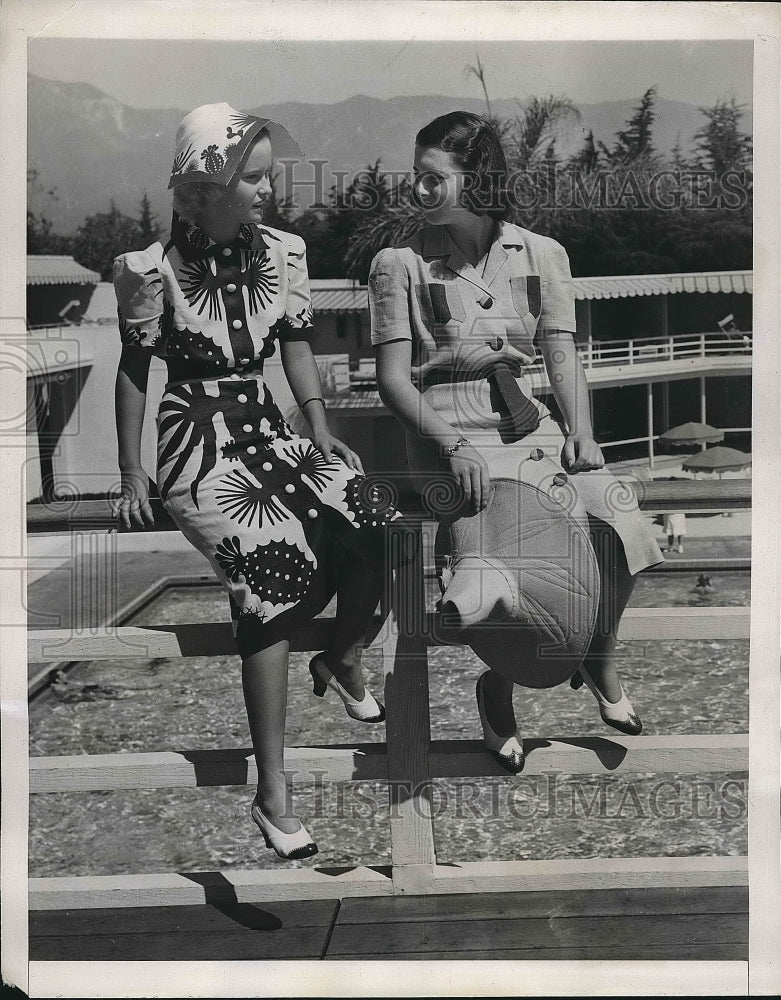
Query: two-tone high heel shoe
(367, 709)
(507, 750)
(618, 714)
(288, 846)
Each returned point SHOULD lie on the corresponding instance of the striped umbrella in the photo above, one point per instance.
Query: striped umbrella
(717, 460)
(692, 433)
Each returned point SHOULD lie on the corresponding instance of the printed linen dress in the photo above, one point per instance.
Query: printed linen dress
(273, 517)
(472, 332)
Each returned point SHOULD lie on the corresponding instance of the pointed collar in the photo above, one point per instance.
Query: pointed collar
(437, 242)
(192, 242)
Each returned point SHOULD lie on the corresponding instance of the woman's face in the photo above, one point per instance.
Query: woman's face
(250, 188)
(438, 183)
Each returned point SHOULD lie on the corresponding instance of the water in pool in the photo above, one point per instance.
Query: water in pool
(112, 706)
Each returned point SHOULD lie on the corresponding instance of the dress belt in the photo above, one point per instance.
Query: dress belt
(518, 416)
(180, 372)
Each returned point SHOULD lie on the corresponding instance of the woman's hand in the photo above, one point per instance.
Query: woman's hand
(471, 472)
(581, 453)
(132, 506)
(330, 446)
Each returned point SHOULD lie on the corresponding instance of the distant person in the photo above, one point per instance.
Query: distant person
(675, 529)
(283, 520)
(457, 313)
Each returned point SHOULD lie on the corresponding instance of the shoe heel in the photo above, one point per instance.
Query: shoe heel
(319, 686)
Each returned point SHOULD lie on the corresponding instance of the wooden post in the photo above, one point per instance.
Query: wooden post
(405, 665)
(650, 423)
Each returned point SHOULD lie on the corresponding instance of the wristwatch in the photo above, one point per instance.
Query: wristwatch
(448, 452)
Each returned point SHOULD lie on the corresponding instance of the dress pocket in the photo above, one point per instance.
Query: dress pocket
(527, 294)
(446, 303)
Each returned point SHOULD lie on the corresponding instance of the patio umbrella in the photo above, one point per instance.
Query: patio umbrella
(692, 433)
(717, 460)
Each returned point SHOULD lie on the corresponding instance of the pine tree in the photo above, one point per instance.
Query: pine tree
(721, 145)
(148, 229)
(634, 142)
(587, 157)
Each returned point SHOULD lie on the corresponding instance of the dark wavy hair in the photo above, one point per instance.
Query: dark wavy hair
(475, 147)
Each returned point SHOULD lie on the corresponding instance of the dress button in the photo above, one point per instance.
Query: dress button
(311, 513)
(559, 479)
(267, 466)
(290, 488)
(241, 398)
(237, 324)
(230, 288)
(495, 343)
(251, 450)
(247, 428)
(243, 361)
(487, 302)
(536, 454)
(226, 252)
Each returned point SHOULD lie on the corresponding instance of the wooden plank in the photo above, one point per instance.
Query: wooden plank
(367, 761)
(726, 494)
(197, 888)
(201, 768)
(216, 946)
(573, 903)
(647, 624)
(216, 638)
(79, 892)
(407, 726)
(589, 873)
(217, 916)
(659, 930)
(615, 953)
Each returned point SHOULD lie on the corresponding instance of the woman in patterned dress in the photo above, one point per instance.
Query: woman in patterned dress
(456, 313)
(285, 521)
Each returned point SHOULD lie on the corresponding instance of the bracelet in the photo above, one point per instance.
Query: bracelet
(453, 448)
(312, 399)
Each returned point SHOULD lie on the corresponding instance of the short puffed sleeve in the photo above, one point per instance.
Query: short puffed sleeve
(557, 291)
(297, 321)
(389, 303)
(139, 290)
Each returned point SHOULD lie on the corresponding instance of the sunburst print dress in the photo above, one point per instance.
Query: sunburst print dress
(274, 518)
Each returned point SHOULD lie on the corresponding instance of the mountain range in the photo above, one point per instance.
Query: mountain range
(90, 148)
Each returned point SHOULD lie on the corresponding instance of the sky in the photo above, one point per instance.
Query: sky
(183, 74)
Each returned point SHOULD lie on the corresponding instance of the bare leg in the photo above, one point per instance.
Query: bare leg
(358, 592)
(264, 679)
(617, 585)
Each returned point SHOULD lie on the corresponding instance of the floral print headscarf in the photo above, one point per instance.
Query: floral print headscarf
(211, 140)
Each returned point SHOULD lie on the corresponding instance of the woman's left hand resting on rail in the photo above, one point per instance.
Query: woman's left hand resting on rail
(581, 453)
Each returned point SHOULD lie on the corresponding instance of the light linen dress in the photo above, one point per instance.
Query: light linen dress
(463, 325)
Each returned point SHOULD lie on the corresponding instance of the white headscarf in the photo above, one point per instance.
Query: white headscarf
(212, 139)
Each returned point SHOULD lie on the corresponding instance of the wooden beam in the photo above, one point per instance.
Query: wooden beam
(197, 888)
(653, 496)
(216, 638)
(405, 667)
(367, 762)
(589, 873)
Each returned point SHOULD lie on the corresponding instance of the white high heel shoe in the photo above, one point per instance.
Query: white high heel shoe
(288, 846)
(508, 751)
(618, 714)
(368, 709)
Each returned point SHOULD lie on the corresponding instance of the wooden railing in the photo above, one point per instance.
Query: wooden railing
(409, 760)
